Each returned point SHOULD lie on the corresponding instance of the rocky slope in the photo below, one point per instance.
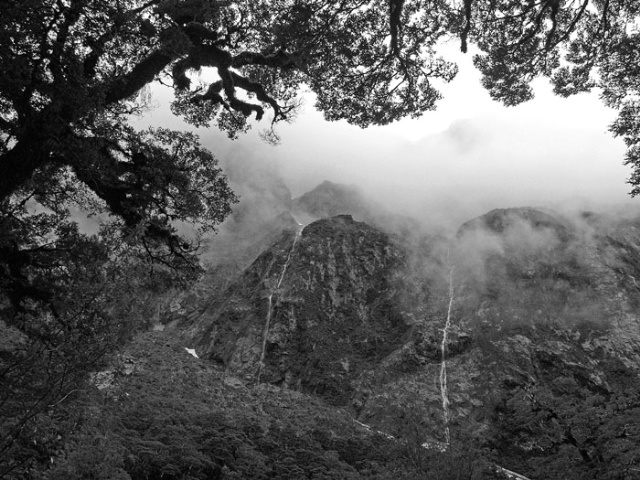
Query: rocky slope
(168, 415)
(541, 354)
(318, 307)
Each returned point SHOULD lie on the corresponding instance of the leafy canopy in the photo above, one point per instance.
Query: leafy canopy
(73, 69)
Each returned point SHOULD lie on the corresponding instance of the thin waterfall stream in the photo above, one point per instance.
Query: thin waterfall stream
(444, 392)
(267, 323)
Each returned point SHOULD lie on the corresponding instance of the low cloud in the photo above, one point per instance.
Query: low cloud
(554, 153)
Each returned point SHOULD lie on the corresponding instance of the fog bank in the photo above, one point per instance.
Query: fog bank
(468, 157)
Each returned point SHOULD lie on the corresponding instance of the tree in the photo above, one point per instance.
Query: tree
(580, 45)
(72, 75)
(73, 71)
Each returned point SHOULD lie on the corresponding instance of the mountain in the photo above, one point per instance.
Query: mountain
(552, 305)
(317, 307)
(346, 348)
(266, 211)
(520, 336)
(330, 199)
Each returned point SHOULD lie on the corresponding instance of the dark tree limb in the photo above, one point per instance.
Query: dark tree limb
(245, 108)
(142, 74)
(212, 95)
(574, 22)
(18, 164)
(260, 92)
(464, 34)
(395, 24)
(554, 6)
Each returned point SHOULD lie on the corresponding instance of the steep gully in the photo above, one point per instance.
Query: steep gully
(267, 322)
(444, 392)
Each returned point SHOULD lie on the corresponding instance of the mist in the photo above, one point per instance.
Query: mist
(469, 156)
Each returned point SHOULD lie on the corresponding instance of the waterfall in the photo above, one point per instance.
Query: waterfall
(444, 393)
(267, 322)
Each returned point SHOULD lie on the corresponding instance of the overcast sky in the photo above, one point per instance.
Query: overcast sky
(467, 157)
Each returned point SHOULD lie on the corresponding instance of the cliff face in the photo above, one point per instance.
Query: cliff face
(312, 311)
(534, 271)
(542, 360)
(521, 335)
(552, 306)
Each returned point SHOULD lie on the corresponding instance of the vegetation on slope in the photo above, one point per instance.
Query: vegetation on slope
(168, 415)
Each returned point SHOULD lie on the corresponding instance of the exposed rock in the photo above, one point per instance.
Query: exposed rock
(544, 326)
(338, 304)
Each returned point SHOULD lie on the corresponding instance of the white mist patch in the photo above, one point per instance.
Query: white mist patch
(469, 156)
(473, 248)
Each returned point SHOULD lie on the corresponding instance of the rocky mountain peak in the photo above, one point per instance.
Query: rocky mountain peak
(510, 334)
(317, 306)
(503, 221)
(329, 199)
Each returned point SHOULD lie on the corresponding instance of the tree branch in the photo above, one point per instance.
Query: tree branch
(212, 94)
(18, 164)
(467, 25)
(573, 24)
(142, 74)
(228, 83)
(260, 93)
(395, 24)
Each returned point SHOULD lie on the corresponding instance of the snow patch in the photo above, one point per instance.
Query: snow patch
(192, 351)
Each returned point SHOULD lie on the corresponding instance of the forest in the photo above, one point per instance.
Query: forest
(75, 72)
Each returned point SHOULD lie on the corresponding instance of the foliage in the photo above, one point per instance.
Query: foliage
(73, 71)
(175, 417)
(567, 428)
(87, 301)
(579, 45)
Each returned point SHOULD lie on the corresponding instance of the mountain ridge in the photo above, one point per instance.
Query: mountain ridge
(548, 302)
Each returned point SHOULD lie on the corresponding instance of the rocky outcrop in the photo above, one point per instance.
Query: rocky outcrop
(543, 315)
(336, 310)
